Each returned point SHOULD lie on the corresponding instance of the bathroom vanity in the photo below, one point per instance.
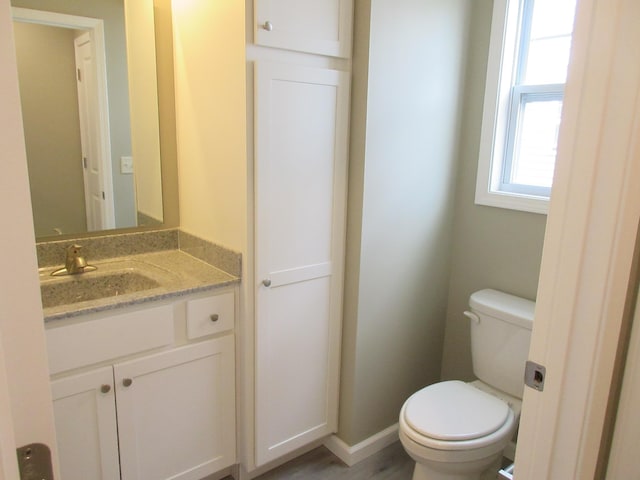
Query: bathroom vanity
(143, 383)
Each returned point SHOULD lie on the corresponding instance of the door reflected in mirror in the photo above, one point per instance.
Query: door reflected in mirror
(87, 73)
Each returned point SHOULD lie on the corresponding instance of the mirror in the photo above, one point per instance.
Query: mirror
(89, 94)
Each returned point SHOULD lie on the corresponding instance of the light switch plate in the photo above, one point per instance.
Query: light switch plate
(126, 165)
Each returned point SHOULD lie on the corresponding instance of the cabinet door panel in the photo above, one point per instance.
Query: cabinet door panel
(301, 116)
(176, 418)
(294, 362)
(313, 26)
(85, 419)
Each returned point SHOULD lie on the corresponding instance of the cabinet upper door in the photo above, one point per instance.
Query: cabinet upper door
(176, 412)
(85, 416)
(315, 26)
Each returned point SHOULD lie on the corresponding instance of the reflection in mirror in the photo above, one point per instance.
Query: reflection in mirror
(87, 73)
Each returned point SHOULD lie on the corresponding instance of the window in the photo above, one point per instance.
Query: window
(527, 69)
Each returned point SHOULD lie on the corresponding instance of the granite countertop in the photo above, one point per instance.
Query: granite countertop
(158, 276)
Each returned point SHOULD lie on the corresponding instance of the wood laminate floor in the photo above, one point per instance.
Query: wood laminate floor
(392, 463)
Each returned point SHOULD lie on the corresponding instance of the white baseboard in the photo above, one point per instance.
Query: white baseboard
(358, 452)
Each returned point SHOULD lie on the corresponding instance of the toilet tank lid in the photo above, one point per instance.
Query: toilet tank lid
(504, 306)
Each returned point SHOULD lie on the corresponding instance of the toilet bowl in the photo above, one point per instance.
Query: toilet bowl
(456, 430)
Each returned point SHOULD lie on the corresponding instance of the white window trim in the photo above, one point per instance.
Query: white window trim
(504, 30)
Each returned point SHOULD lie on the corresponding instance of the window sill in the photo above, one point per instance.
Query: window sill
(513, 201)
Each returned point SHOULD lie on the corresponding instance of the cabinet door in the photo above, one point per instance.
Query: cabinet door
(301, 152)
(176, 412)
(314, 26)
(85, 417)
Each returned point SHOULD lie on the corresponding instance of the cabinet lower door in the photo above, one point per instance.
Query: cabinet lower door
(85, 418)
(176, 412)
(301, 149)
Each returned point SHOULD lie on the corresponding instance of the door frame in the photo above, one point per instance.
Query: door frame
(95, 28)
(585, 288)
(622, 461)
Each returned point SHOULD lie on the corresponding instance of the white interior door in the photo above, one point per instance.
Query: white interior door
(26, 411)
(589, 248)
(92, 161)
(301, 151)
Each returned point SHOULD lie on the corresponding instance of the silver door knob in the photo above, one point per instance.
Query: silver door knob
(266, 282)
(268, 26)
(127, 382)
(105, 388)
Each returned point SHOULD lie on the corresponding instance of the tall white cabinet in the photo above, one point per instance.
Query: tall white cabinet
(301, 170)
(301, 117)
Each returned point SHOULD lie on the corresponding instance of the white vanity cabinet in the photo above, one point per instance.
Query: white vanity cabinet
(164, 413)
(314, 26)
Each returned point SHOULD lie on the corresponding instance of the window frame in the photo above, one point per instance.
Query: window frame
(520, 96)
(503, 102)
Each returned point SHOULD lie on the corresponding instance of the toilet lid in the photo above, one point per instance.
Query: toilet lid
(455, 411)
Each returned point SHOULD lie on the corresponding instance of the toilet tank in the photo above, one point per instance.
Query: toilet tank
(500, 336)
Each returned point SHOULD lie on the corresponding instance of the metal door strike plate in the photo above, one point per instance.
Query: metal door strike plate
(534, 375)
(34, 462)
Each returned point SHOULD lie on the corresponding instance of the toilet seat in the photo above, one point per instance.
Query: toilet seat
(456, 416)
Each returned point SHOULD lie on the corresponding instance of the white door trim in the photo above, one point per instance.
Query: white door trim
(589, 245)
(95, 28)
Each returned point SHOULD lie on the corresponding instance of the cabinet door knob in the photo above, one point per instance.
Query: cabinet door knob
(105, 388)
(127, 382)
(268, 26)
(214, 317)
(266, 282)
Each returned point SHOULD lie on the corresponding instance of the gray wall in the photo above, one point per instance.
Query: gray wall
(492, 247)
(409, 62)
(49, 97)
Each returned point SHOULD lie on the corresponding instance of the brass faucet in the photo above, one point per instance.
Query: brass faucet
(74, 263)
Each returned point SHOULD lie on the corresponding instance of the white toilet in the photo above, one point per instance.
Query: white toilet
(456, 430)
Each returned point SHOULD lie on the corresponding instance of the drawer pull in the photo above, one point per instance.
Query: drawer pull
(127, 382)
(268, 26)
(105, 388)
(214, 317)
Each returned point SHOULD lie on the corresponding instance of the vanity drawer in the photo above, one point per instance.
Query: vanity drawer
(210, 315)
(93, 341)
